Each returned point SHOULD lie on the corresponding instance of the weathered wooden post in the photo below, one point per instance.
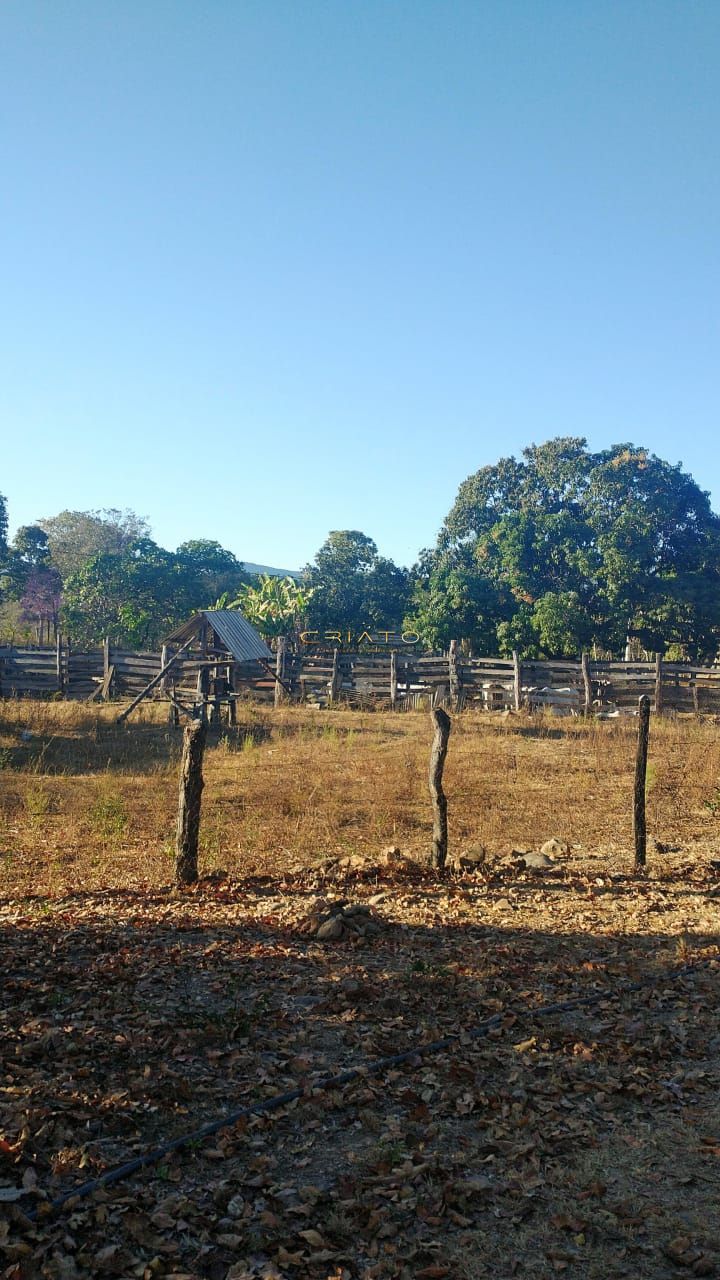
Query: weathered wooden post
(203, 689)
(280, 656)
(639, 819)
(393, 679)
(517, 681)
(336, 678)
(442, 725)
(454, 675)
(232, 701)
(188, 820)
(587, 683)
(658, 683)
(59, 663)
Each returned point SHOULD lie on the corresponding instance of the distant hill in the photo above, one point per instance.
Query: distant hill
(272, 572)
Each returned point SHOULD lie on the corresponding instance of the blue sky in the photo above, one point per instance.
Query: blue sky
(272, 268)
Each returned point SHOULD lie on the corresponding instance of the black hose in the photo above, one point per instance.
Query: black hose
(332, 1082)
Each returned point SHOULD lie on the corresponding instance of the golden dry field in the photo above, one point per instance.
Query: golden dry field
(581, 1140)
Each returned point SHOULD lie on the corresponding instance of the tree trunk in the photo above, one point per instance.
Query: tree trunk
(188, 820)
(442, 725)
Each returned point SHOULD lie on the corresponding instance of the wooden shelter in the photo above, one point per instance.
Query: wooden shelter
(204, 660)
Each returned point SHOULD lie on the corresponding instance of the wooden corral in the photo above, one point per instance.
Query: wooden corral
(398, 680)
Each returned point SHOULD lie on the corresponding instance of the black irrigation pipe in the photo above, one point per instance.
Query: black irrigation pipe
(374, 1068)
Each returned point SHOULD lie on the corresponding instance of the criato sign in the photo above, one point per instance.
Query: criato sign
(362, 637)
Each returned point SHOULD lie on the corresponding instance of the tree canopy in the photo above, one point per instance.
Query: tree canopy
(353, 587)
(566, 548)
(75, 537)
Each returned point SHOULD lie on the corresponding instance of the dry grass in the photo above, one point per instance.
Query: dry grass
(85, 802)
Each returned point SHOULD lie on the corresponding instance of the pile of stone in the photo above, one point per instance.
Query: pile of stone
(328, 921)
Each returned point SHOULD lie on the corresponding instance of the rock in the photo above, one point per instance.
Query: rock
(537, 862)
(330, 930)
(357, 909)
(555, 848)
(503, 904)
(473, 859)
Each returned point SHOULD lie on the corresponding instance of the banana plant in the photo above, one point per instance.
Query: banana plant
(275, 606)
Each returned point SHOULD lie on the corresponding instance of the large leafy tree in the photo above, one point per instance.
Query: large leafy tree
(75, 537)
(354, 588)
(214, 567)
(566, 547)
(136, 597)
(27, 555)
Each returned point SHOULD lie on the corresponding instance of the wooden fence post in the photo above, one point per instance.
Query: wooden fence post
(232, 701)
(658, 683)
(59, 663)
(442, 725)
(336, 678)
(587, 683)
(280, 656)
(203, 689)
(393, 679)
(454, 675)
(639, 818)
(188, 820)
(517, 681)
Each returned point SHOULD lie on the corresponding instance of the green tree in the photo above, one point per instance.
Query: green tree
(74, 537)
(354, 588)
(136, 597)
(216, 569)
(28, 554)
(566, 547)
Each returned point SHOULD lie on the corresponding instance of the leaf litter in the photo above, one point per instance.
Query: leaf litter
(586, 1142)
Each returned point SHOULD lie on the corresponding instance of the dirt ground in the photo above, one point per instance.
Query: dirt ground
(584, 1141)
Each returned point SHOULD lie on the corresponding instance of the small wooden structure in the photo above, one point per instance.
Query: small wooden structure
(204, 661)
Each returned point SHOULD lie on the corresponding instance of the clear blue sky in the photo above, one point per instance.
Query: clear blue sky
(274, 267)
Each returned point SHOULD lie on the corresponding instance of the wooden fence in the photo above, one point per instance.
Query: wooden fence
(399, 680)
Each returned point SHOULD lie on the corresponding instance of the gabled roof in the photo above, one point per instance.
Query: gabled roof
(237, 634)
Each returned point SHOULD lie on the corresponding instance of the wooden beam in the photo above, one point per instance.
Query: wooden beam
(517, 680)
(454, 675)
(280, 657)
(587, 683)
(155, 681)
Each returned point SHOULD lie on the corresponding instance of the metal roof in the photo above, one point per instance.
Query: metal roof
(237, 634)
